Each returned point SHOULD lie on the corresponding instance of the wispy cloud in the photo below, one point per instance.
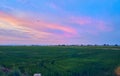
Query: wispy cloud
(93, 24)
(31, 28)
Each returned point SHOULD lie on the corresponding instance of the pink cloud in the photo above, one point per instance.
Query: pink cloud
(95, 24)
(35, 30)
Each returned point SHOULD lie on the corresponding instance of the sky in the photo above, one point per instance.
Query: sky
(51, 22)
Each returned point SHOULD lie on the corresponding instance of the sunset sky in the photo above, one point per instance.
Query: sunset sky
(49, 22)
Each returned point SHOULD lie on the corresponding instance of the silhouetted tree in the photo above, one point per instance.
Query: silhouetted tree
(116, 45)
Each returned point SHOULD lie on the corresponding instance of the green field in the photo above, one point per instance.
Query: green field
(59, 60)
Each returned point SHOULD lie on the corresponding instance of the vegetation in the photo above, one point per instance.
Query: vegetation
(59, 60)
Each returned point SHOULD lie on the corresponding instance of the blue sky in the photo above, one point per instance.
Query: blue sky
(59, 22)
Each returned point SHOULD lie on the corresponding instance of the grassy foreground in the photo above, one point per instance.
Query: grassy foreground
(59, 60)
